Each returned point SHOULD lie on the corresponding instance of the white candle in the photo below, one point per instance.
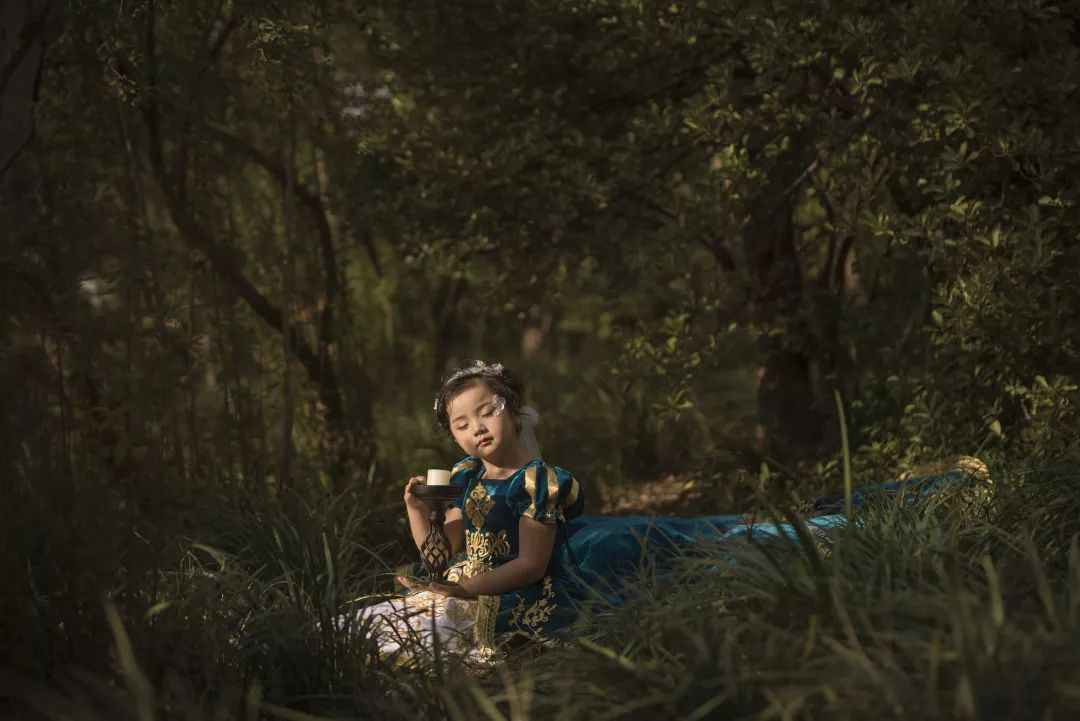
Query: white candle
(438, 477)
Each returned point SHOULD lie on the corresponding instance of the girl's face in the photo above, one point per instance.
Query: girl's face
(479, 424)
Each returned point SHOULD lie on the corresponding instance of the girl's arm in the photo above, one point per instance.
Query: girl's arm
(535, 542)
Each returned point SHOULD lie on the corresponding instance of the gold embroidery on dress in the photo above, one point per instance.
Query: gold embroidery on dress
(458, 609)
(475, 568)
(455, 573)
(426, 600)
(552, 491)
(575, 489)
(482, 548)
(486, 546)
(530, 491)
(530, 480)
(536, 614)
(552, 484)
(478, 505)
(487, 611)
(464, 465)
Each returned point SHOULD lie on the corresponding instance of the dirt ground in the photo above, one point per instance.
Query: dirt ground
(668, 496)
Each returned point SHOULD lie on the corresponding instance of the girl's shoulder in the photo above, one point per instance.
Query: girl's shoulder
(465, 469)
(538, 471)
(547, 493)
(471, 462)
(541, 465)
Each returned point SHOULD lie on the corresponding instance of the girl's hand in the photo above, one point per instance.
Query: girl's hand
(411, 501)
(455, 590)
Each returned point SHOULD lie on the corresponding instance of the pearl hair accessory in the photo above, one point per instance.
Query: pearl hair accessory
(478, 367)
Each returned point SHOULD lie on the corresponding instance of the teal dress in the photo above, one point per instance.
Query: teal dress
(492, 511)
(593, 555)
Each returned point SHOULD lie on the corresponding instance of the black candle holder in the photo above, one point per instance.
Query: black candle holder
(436, 550)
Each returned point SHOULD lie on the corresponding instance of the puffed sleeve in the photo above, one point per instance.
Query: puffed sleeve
(548, 494)
(460, 475)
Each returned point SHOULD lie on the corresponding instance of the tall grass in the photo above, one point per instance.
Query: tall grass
(954, 606)
(943, 608)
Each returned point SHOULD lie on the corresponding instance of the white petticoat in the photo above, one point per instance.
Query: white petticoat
(405, 627)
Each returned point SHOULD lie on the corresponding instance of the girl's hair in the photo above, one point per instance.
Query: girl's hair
(499, 380)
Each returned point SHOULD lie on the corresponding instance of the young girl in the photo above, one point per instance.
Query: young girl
(510, 521)
(531, 557)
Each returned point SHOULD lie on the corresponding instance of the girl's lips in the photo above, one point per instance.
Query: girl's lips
(485, 442)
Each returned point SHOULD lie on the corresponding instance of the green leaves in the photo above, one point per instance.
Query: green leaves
(688, 223)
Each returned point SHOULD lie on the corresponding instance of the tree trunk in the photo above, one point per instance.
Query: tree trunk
(791, 420)
(22, 54)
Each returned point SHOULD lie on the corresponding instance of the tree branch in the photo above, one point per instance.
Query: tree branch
(320, 372)
(199, 238)
(30, 35)
(150, 112)
(30, 38)
(823, 156)
(308, 197)
(215, 46)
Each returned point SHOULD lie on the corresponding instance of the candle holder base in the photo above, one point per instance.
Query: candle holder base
(436, 550)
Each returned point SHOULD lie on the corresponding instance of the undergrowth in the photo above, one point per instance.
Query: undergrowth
(952, 606)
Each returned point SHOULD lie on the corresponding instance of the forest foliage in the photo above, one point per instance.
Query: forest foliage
(245, 239)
